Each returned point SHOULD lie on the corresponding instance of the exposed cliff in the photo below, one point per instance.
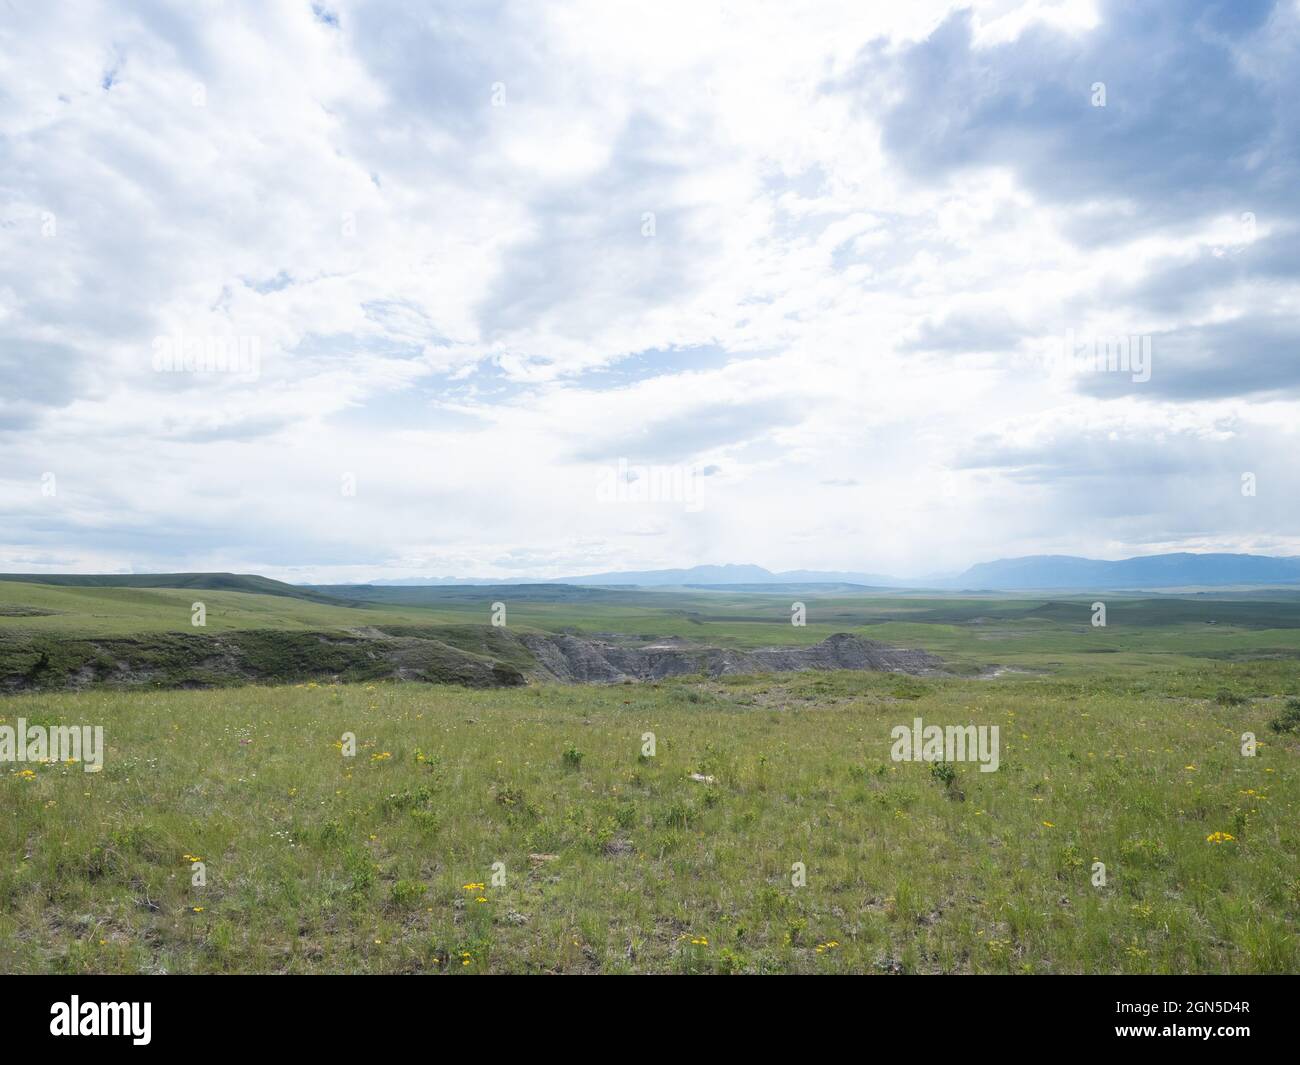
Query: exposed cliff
(579, 659)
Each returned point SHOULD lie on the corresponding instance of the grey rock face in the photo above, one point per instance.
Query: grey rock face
(585, 661)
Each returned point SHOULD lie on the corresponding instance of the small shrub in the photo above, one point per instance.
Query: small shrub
(908, 688)
(1289, 719)
(1230, 698)
(795, 927)
(1240, 822)
(946, 774)
(772, 902)
(361, 876)
(679, 814)
(411, 799)
(407, 893)
(572, 757)
(708, 762)
(427, 820)
(1148, 851)
(331, 832)
(1070, 860)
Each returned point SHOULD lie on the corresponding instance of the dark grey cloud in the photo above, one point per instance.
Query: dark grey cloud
(1187, 284)
(1199, 123)
(1251, 355)
(1189, 127)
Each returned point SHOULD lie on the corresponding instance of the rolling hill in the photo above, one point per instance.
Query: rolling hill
(216, 582)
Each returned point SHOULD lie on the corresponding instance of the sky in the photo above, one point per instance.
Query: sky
(344, 290)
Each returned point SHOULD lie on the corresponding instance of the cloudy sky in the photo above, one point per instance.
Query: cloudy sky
(354, 289)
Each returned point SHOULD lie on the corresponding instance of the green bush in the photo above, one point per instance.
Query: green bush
(407, 893)
(943, 772)
(1289, 719)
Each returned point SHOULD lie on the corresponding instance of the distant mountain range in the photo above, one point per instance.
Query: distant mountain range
(1030, 573)
(1179, 570)
(1152, 571)
(729, 574)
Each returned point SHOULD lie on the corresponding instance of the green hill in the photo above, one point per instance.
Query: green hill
(217, 582)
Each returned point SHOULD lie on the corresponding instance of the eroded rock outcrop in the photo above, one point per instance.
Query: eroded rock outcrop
(580, 660)
(473, 656)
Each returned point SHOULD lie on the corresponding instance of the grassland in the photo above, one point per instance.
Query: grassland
(1122, 746)
(54, 637)
(36, 609)
(968, 632)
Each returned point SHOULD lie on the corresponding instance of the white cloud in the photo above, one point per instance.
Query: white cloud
(432, 280)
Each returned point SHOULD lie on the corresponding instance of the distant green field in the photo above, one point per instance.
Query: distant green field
(1047, 634)
(1040, 634)
(1120, 745)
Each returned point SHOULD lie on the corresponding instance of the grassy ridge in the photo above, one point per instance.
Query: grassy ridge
(320, 863)
(228, 582)
(52, 637)
(105, 611)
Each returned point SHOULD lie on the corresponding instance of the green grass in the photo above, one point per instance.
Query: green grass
(1120, 745)
(230, 582)
(317, 863)
(968, 632)
(52, 637)
(94, 611)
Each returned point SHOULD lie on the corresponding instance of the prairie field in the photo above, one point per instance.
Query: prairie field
(769, 830)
